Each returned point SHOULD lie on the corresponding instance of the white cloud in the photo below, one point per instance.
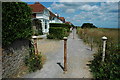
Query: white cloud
(70, 10)
(88, 0)
(88, 12)
(57, 6)
(88, 7)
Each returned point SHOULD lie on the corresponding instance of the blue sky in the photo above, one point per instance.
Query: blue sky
(101, 14)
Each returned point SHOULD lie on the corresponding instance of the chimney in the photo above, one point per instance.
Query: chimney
(37, 3)
(57, 14)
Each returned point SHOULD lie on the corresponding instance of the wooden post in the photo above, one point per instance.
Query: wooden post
(104, 47)
(35, 44)
(73, 33)
(65, 54)
(91, 44)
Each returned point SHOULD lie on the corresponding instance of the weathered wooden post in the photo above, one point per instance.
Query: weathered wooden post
(65, 54)
(104, 47)
(73, 33)
(35, 44)
(91, 44)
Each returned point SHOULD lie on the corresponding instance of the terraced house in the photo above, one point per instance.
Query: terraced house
(41, 17)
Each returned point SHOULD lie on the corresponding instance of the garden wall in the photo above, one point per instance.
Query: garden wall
(13, 58)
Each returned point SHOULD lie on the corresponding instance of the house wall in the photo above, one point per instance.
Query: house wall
(56, 20)
(44, 17)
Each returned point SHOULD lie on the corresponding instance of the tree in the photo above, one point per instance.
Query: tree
(88, 25)
(16, 22)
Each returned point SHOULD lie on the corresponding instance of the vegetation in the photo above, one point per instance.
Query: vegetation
(60, 25)
(16, 22)
(109, 69)
(34, 62)
(57, 33)
(88, 25)
(58, 30)
(37, 29)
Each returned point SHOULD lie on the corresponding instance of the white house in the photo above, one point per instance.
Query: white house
(41, 13)
(44, 16)
(55, 19)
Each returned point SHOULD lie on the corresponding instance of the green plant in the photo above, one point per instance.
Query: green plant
(109, 69)
(88, 25)
(60, 25)
(57, 33)
(16, 22)
(34, 62)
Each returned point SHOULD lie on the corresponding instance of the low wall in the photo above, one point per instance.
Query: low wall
(13, 58)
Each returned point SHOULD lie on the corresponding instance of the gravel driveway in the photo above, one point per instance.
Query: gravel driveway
(78, 56)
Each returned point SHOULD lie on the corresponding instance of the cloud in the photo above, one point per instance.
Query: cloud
(88, 0)
(70, 10)
(57, 6)
(88, 7)
(98, 13)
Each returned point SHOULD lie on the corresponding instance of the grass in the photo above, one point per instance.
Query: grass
(96, 34)
(109, 69)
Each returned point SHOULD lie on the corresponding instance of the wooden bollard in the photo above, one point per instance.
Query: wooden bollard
(104, 47)
(91, 44)
(73, 33)
(35, 44)
(65, 54)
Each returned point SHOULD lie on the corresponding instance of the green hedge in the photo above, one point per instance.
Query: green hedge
(57, 33)
(16, 22)
(60, 25)
(63, 25)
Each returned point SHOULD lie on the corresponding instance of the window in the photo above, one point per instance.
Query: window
(45, 24)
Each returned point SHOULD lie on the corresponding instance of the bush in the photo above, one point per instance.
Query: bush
(109, 69)
(60, 25)
(63, 25)
(57, 33)
(16, 22)
(34, 62)
(88, 25)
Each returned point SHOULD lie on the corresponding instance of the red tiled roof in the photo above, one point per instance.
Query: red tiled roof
(37, 7)
(68, 22)
(62, 18)
(52, 14)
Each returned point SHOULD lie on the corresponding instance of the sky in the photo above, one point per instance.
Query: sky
(101, 14)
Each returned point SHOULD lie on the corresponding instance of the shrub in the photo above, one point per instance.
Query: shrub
(109, 69)
(60, 25)
(37, 30)
(63, 25)
(57, 33)
(34, 62)
(16, 22)
(88, 25)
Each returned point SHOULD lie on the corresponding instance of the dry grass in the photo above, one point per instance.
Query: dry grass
(96, 34)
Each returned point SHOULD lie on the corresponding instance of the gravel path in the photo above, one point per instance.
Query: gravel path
(78, 56)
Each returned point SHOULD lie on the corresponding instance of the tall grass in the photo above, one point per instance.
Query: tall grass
(109, 69)
(96, 34)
